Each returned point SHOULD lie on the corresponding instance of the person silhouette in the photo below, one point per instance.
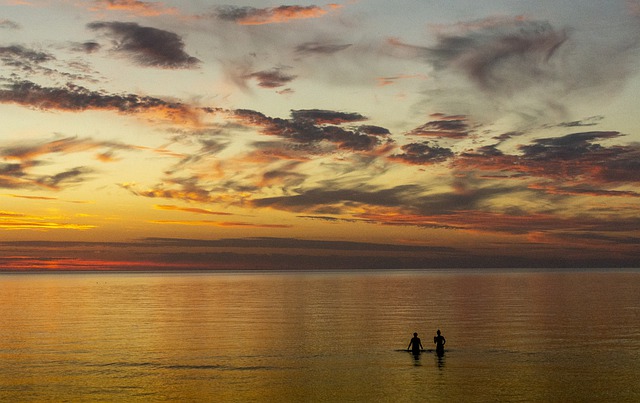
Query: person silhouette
(440, 342)
(415, 345)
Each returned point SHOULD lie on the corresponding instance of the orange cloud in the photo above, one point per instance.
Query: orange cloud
(189, 209)
(31, 198)
(28, 263)
(220, 224)
(29, 223)
(144, 8)
(274, 15)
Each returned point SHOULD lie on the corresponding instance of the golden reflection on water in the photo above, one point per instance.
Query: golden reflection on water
(308, 337)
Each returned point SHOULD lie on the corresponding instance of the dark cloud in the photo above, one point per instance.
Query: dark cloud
(422, 154)
(87, 47)
(27, 62)
(23, 58)
(313, 126)
(147, 46)
(573, 158)
(455, 127)
(271, 78)
(373, 130)
(77, 98)
(318, 48)
(14, 176)
(320, 116)
(569, 147)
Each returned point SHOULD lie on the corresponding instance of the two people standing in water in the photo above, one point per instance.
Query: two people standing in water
(415, 345)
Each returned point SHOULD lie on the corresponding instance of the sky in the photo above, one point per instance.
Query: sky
(175, 135)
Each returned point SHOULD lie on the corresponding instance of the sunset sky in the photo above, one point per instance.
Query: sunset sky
(358, 134)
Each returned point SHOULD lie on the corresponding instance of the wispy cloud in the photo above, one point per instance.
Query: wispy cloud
(8, 24)
(18, 221)
(27, 154)
(225, 224)
(194, 210)
(501, 56)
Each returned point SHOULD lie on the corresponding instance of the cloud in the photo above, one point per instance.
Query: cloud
(87, 47)
(18, 221)
(530, 69)
(147, 46)
(318, 48)
(574, 158)
(22, 58)
(137, 7)
(455, 127)
(313, 126)
(389, 80)
(271, 78)
(319, 116)
(318, 200)
(189, 210)
(8, 24)
(287, 243)
(20, 174)
(501, 57)
(188, 189)
(272, 15)
(224, 224)
(71, 176)
(32, 197)
(590, 121)
(422, 154)
(285, 177)
(77, 98)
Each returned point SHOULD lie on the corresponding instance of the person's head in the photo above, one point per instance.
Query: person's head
(415, 335)
(438, 332)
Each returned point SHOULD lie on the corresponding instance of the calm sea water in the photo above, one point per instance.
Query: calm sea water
(511, 336)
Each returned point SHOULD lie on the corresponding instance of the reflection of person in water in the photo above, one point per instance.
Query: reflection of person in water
(415, 345)
(440, 342)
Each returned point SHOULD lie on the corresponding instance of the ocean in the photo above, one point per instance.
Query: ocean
(531, 336)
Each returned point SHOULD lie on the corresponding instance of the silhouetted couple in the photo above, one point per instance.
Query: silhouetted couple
(415, 345)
